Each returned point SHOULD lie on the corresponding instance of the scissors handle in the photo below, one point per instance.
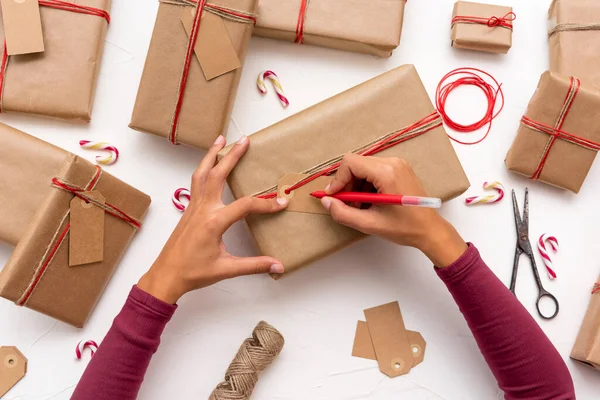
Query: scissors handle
(544, 293)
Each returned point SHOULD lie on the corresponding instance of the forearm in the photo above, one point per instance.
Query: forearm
(117, 370)
(521, 357)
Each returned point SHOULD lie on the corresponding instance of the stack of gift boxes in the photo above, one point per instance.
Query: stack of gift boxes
(186, 95)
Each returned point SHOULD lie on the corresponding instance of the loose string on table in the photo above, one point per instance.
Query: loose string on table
(328, 167)
(59, 5)
(470, 77)
(556, 132)
(504, 22)
(234, 15)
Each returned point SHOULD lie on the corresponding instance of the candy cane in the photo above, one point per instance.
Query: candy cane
(272, 76)
(108, 159)
(489, 199)
(81, 346)
(178, 195)
(544, 252)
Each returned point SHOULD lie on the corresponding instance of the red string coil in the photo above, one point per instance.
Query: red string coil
(504, 22)
(470, 77)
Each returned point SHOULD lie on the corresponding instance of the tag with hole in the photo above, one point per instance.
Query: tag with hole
(214, 50)
(300, 199)
(390, 339)
(86, 237)
(22, 26)
(13, 367)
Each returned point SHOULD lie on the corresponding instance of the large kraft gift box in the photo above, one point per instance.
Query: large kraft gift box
(390, 104)
(198, 111)
(559, 135)
(482, 27)
(40, 273)
(574, 38)
(587, 345)
(371, 27)
(59, 82)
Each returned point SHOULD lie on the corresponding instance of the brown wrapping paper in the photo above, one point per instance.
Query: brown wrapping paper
(59, 82)
(573, 38)
(587, 345)
(480, 37)
(370, 27)
(64, 292)
(341, 124)
(207, 105)
(27, 165)
(568, 164)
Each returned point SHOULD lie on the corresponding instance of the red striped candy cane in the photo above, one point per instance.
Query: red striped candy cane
(179, 194)
(108, 159)
(272, 76)
(553, 242)
(82, 345)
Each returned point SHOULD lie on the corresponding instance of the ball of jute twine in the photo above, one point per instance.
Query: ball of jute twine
(255, 354)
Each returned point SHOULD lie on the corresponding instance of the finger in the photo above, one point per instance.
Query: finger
(222, 170)
(240, 266)
(240, 208)
(361, 220)
(353, 167)
(207, 163)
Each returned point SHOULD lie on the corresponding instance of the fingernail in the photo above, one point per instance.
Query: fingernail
(328, 187)
(243, 139)
(326, 201)
(282, 201)
(220, 140)
(276, 269)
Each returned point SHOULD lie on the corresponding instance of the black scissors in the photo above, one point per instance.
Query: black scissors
(524, 246)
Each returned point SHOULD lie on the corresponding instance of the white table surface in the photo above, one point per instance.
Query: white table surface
(317, 308)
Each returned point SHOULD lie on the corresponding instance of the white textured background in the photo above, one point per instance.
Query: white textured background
(317, 308)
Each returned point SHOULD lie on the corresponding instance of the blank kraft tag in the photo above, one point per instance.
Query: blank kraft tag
(213, 49)
(22, 26)
(300, 199)
(13, 367)
(390, 339)
(86, 239)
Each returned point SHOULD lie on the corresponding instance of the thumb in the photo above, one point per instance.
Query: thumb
(361, 220)
(252, 266)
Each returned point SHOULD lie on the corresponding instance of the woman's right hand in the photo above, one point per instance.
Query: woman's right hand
(421, 228)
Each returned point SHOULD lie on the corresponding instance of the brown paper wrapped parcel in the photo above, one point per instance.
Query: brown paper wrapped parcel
(207, 103)
(370, 27)
(480, 36)
(559, 134)
(60, 81)
(587, 345)
(344, 123)
(574, 38)
(38, 274)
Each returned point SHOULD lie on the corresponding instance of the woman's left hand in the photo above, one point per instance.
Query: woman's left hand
(195, 255)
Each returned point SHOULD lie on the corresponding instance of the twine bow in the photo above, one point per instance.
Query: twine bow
(492, 22)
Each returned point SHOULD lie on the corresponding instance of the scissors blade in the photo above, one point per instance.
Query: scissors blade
(525, 223)
(517, 213)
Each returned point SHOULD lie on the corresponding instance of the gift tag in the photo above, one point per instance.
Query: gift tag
(22, 26)
(390, 339)
(86, 239)
(300, 198)
(13, 367)
(214, 50)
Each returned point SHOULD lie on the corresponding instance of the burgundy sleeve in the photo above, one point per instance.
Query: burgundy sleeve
(117, 369)
(521, 357)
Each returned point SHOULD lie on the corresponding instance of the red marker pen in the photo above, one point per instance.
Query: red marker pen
(379, 198)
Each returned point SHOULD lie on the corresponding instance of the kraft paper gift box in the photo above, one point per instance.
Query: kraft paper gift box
(49, 270)
(371, 27)
(392, 105)
(587, 345)
(482, 27)
(60, 81)
(559, 135)
(573, 37)
(193, 112)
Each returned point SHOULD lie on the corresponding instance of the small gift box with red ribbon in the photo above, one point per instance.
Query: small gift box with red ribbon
(389, 116)
(193, 69)
(559, 135)
(370, 27)
(482, 27)
(57, 77)
(76, 222)
(587, 346)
